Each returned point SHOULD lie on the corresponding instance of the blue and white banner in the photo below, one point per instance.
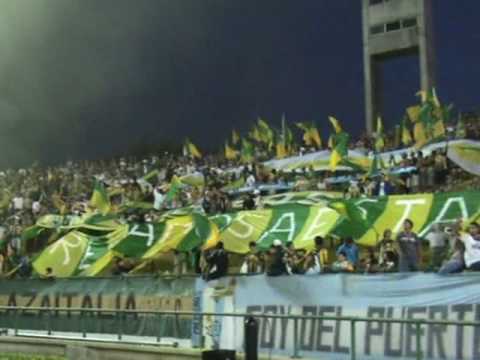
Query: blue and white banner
(404, 296)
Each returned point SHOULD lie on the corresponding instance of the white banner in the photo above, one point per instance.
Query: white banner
(397, 296)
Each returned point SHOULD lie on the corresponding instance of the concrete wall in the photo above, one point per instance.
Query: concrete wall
(392, 10)
(377, 47)
(78, 350)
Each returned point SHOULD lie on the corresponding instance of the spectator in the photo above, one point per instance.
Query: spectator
(121, 266)
(342, 264)
(321, 252)
(353, 190)
(179, 262)
(456, 263)
(370, 263)
(439, 168)
(409, 248)
(312, 264)
(217, 263)
(24, 267)
(159, 197)
(387, 245)
(438, 242)
(350, 250)
(249, 202)
(296, 261)
(277, 260)
(250, 181)
(383, 187)
(49, 274)
(253, 262)
(257, 200)
(389, 262)
(472, 247)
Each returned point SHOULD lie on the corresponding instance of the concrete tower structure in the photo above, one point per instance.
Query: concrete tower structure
(394, 28)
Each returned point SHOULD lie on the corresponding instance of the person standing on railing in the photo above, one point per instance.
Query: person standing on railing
(409, 248)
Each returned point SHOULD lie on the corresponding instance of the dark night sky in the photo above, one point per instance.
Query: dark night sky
(89, 78)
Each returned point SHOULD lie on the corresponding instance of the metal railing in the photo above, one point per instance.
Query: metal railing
(120, 316)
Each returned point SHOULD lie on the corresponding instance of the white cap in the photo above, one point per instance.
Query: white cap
(277, 242)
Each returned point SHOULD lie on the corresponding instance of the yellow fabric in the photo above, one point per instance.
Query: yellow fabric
(193, 150)
(413, 113)
(230, 153)
(281, 151)
(393, 214)
(406, 137)
(335, 159)
(336, 124)
(419, 135)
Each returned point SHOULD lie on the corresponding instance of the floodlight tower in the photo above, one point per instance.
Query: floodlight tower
(391, 29)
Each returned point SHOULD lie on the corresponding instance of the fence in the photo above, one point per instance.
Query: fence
(10, 316)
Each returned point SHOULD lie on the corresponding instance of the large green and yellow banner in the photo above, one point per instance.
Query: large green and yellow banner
(88, 245)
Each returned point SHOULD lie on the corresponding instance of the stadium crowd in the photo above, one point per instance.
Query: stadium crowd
(450, 249)
(29, 193)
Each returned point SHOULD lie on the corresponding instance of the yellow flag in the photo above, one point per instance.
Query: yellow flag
(438, 129)
(230, 153)
(255, 134)
(413, 113)
(193, 150)
(100, 199)
(331, 142)
(281, 150)
(436, 101)
(419, 134)
(235, 137)
(423, 95)
(406, 137)
(315, 136)
(380, 141)
(335, 159)
(335, 124)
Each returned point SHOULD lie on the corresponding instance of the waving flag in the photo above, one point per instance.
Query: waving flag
(405, 133)
(379, 136)
(265, 132)
(339, 142)
(192, 150)
(247, 152)
(235, 137)
(311, 136)
(230, 153)
(100, 199)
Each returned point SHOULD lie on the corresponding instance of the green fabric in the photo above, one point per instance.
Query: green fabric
(295, 217)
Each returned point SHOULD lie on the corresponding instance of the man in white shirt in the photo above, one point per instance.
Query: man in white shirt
(250, 182)
(17, 203)
(158, 198)
(472, 247)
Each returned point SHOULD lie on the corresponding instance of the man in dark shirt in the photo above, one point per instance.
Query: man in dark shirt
(249, 202)
(409, 248)
(217, 261)
(277, 264)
